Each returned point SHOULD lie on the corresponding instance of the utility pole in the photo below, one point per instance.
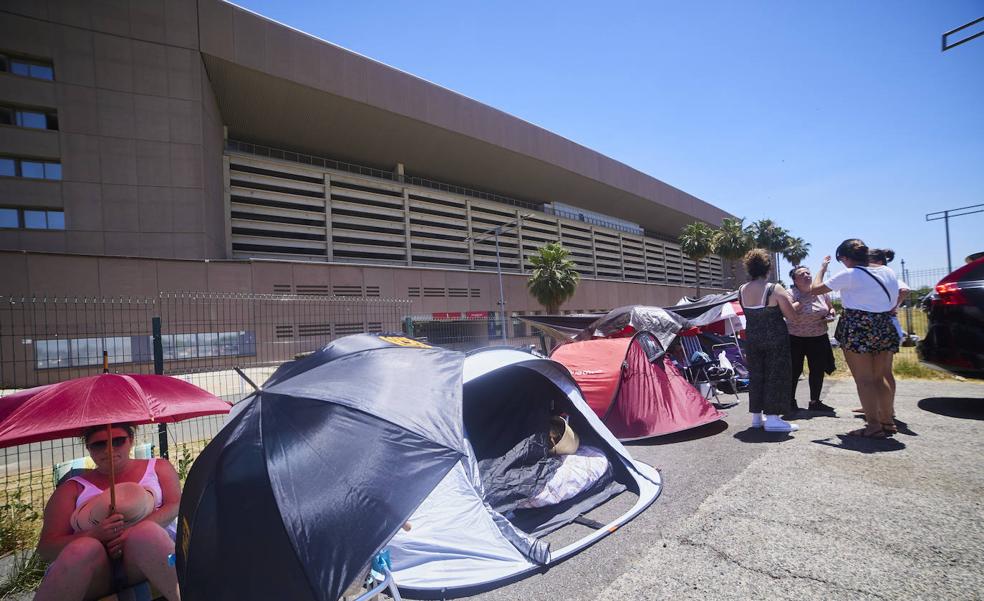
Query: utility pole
(945, 216)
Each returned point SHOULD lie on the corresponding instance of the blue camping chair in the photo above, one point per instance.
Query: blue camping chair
(705, 372)
(380, 579)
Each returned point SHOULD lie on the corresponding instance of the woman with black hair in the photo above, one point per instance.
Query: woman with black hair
(766, 344)
(808, 336)
(869, 294)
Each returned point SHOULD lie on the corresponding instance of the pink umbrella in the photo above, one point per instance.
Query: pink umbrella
(69, 408)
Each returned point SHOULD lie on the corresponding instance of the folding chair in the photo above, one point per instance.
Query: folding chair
(733, 355)
(378, 579)
(705, 372)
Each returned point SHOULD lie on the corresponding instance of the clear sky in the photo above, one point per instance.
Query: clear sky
(836, 119)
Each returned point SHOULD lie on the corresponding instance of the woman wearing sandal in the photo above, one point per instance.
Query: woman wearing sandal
(865, 332)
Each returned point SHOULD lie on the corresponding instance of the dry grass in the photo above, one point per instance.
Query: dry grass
(906, 367)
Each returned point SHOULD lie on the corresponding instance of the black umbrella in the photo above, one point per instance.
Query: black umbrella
(316, 474)
(694, 307)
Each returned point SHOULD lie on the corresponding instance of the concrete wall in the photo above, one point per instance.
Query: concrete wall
(140, 137)
(96, 276)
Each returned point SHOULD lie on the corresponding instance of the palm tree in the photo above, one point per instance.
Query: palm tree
(697, 242)
(554, 277)
(771, 237)
(796, 250)
(732, 240)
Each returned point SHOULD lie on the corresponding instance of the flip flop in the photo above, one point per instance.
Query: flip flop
(890, 429)
(865, 433)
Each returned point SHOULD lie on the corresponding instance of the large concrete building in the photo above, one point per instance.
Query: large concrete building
(154, 145)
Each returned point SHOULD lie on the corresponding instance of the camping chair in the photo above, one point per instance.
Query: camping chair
(733, 356)
(705, 372)
(379, 579)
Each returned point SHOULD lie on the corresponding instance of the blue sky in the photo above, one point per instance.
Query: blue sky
(836, 119)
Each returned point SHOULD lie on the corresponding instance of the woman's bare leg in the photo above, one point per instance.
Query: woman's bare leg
(81, 571)
(885, 379)
(866, 379)
(145, 557)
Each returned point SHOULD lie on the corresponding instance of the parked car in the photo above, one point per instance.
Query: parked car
(955, 338)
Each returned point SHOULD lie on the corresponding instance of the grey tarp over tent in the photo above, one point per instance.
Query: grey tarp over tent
(659, 322)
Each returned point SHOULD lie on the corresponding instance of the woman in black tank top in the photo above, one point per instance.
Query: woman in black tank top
(766, 344)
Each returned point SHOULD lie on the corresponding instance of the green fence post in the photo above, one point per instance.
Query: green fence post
(159, 370)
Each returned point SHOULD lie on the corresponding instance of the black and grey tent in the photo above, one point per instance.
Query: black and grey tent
(338, 450)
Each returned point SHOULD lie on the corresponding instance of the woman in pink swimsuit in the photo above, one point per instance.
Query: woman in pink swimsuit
(92, 563)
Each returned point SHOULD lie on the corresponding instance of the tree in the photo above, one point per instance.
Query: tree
(697, 242)
(554, 277)
(771, 237)
(796, 250)
(732, 240)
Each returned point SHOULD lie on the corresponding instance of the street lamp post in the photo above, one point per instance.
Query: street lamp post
(496, 232)
(498, 269)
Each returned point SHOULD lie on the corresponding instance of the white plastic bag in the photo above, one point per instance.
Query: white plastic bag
(724, 362)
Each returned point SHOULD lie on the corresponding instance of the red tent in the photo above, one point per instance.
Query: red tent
(634, 389)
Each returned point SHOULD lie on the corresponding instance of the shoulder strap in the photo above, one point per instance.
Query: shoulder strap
(741, 290)
(877, 281)
(768, 293)
(150, 469)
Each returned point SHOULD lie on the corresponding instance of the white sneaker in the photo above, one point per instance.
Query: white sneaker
(774, 423)
(757, 420)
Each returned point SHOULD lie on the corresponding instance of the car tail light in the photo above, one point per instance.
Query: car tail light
(950, 294)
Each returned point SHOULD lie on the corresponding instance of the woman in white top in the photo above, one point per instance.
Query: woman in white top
(884, 256)
(91, 563)
(869, 295)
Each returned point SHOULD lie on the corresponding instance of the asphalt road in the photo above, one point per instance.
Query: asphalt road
(814, 515)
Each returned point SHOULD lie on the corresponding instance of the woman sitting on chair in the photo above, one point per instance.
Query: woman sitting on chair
(94, 552)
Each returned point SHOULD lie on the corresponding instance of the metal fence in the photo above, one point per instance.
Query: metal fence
(220, 342)
(921, 282)
(212, 340)
(465, 333)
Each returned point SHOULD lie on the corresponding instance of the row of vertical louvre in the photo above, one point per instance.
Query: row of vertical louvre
(287, 210)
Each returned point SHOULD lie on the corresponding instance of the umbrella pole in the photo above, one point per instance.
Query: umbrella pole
(112, 470)
(109, 447)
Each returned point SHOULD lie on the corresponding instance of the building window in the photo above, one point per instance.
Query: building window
(9, 218)
(32, 219)
(27, 67)
(30, 118)
(13, 167)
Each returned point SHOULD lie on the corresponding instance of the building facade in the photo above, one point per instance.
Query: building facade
(160, 146)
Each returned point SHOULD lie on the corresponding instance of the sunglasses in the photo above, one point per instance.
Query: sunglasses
(100, 445)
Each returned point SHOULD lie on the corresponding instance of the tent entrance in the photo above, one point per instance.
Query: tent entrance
(506, 417)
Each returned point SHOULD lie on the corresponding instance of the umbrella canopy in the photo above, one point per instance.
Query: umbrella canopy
(321, 468)
(67, 409)
(725, 319)
(690, 308)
